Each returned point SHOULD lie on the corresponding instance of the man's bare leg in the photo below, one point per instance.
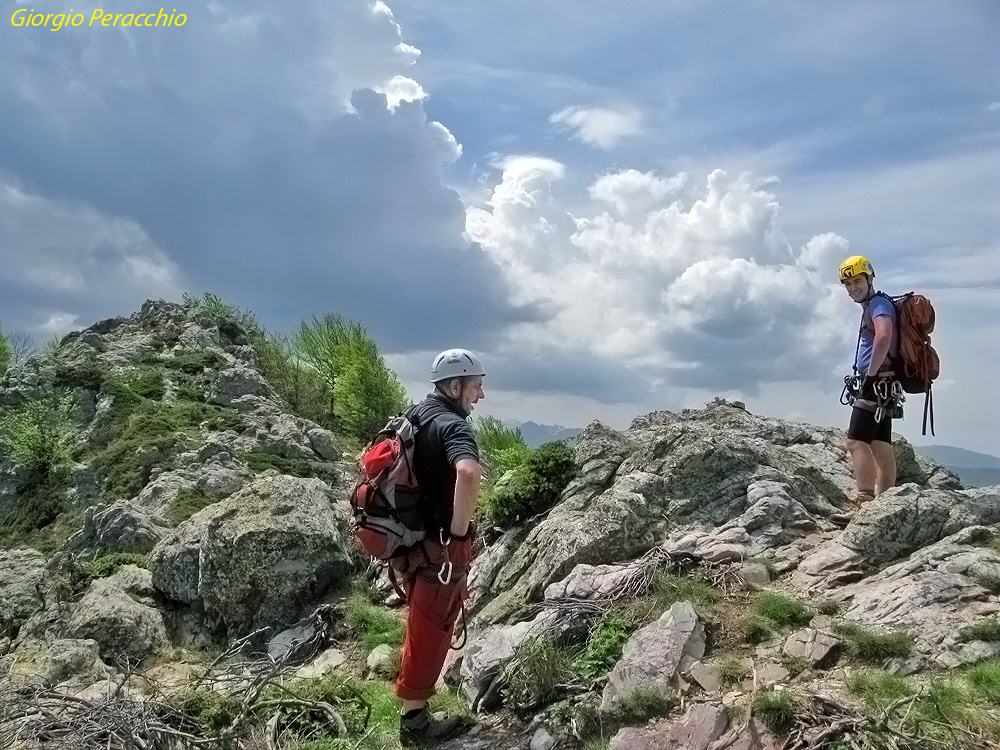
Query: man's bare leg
(885, 465)
(865, 468)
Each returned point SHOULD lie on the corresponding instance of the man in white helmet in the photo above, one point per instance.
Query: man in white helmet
(434, 574)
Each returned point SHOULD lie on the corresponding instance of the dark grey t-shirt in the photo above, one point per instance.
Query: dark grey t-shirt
(444, 438)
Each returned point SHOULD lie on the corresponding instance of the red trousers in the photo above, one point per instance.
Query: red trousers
(433, 609)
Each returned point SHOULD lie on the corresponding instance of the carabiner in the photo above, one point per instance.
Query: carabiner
(445, 578)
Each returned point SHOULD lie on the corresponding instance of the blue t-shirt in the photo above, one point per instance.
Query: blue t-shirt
(876, 306)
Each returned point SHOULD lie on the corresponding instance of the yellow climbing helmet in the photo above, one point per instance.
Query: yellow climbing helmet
(854, 265)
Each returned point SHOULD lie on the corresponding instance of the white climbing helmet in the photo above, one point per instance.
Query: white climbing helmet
(455, 363)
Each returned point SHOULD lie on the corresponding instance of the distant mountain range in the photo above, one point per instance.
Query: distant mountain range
(974, 469)
(535, 434)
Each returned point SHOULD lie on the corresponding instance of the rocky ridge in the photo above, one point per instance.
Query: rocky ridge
(240, 513)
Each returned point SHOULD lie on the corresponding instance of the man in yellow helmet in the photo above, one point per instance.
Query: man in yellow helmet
(869, 439)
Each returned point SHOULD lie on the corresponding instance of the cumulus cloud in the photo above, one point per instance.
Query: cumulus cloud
(604, 127)
(278, 155)
(55, 254)
(680, 286)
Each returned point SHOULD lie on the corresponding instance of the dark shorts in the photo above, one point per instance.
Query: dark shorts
(866, 429)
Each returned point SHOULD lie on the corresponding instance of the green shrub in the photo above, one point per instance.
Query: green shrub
(775, 708)
(369, 709)
(259, 462)
(642, 703)
(106, 565)
(872, 645)
(211, 710)
(536, 673)
(828, 607)
(40, 434)
(531, 488)
(669, 588)
(985, 630)
(780, 609)
(502, 447)
(6, 353)
(879, 689)
(38, 517)
(372, 624)
(604, 645)
(187, 502)
(989, 581)
(231, 321)
(365, 390)
(195, 362)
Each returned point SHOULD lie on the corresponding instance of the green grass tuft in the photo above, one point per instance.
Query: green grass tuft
(878, 688)
(669, 588)
(871, 645)
(372, 624)
(643, 703)
(984, 630)
(187, 502)
(756, 629)
(780, 609)
(107, 565)
(732, 671)
(536, 673)
(984, 678)
(775, 708)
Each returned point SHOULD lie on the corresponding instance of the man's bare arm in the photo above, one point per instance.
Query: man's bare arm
(469, 475)
(883, 340)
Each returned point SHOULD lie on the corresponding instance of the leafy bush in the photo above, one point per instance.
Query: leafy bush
(775, 708)
(604, 645)
(40, 434)
(781, 609)
(106, 565)
(872, 645)
(372, 624)
(365, 391)
(502, 447)
(531, 488)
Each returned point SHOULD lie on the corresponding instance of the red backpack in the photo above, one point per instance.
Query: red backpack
(388, 514)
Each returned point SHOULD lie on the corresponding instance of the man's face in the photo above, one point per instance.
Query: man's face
(472, 392)
(857, 287)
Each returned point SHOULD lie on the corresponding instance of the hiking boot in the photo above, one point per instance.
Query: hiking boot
(421, 728)
(857, 502)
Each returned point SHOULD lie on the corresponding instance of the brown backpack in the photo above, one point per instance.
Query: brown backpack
(916, 363)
